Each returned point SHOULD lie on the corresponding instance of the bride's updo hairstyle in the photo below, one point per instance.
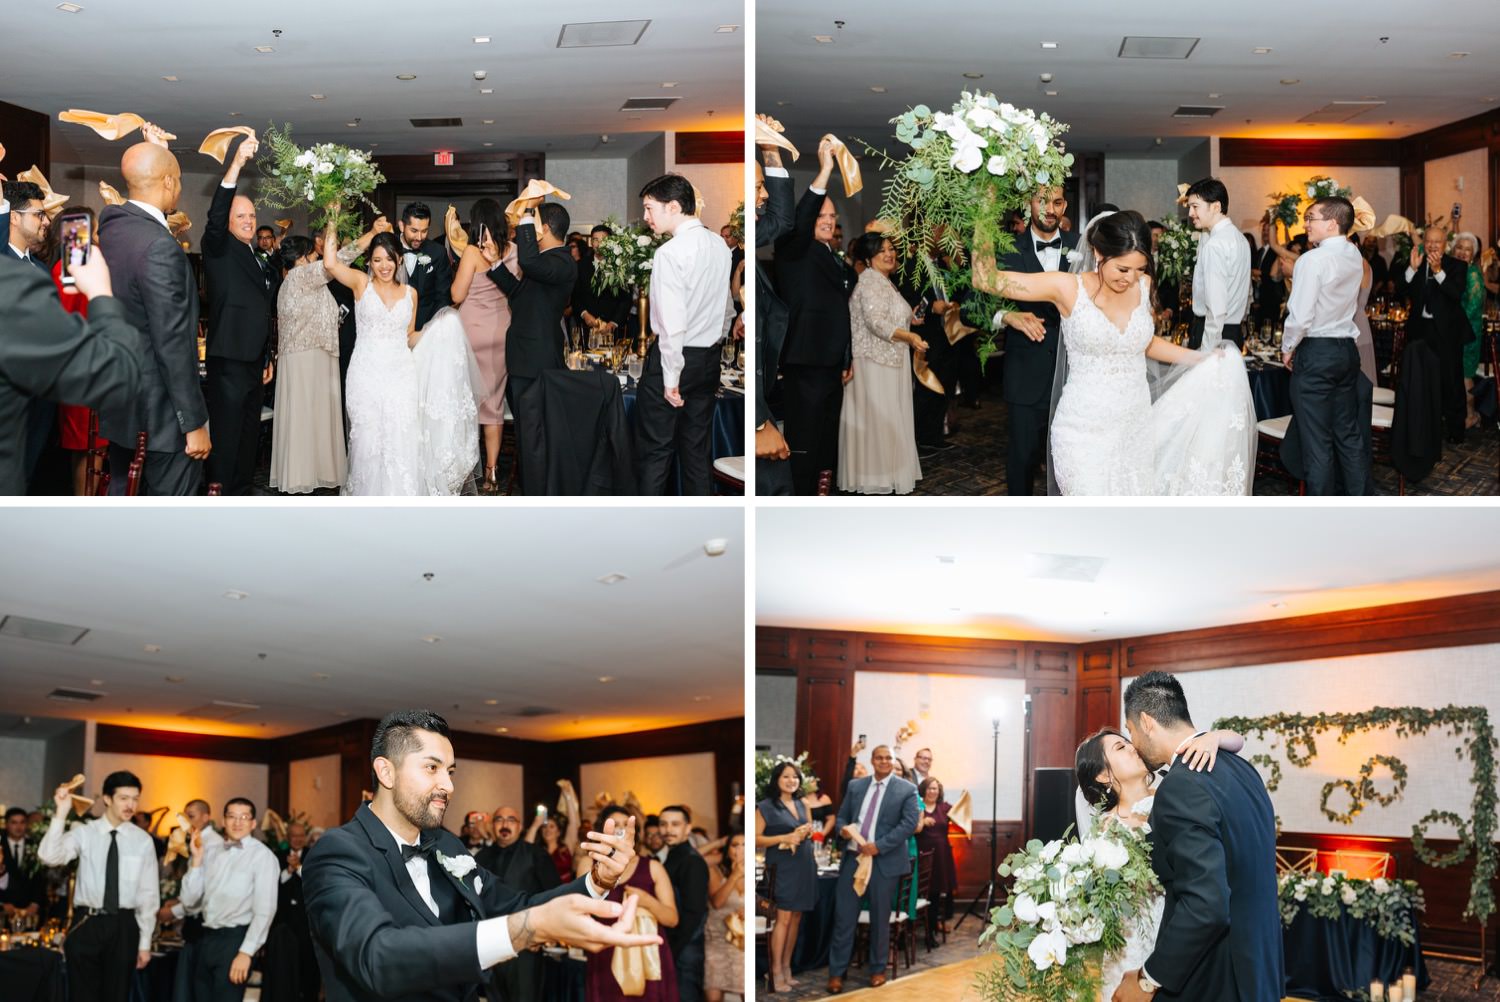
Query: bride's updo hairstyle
(1091, 760)
(1120, 233)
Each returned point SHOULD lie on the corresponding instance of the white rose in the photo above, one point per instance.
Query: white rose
(643, 241)
(1076, 854)
(1025, 908)
(1312, 192)
(459, 866)
(1300, 893)
(1328, 886)
(1380, 885)
(306, 159)
(1111, 855)
(1087, 931)
(1047, 949)
(996, 164)
(1347, 894)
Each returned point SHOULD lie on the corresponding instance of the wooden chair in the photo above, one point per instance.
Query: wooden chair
(765, 891)
(1295, 859)
(1364, 864)
(901, 942)
(926, 862)
(137, 467)
(96, 475)
(825, 483)
(729, 474)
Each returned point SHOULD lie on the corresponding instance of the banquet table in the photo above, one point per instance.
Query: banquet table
(728, 436)
(816, 932)
(32, 974)
(1270, 388)
(1326, 958)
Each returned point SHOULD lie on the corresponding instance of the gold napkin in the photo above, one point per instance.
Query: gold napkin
(1182, 190)
(273, 823)
(862, 874)
(283, 225)
(2, 151)
(177, 841)
(52, 203)
(111, 127)
(954, 326)
(216, 143)
(109, 194)
(82, 805)
(1393, 224)
(457, 238)
(848, 167)
(924, 373)
(633, 966)
(530, 197)
(698, 202)
(734, 923)
(178, 223)
(962, 814)
(1364, 216)
(770, 135)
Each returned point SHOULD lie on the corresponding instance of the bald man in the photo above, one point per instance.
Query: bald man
(241, 303)
(522, 866)
(153, 280)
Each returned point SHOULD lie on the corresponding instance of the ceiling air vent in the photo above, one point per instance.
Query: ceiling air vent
(437, 123)
(74, 695)
(531, 711)
(649, 103)
(1340, 111)
(1063, 567)
(219, 709)
(41, 630)
(1156, 47)
(592, 34)
(1198, 111)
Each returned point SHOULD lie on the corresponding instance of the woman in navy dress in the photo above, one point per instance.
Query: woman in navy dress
(783, 827)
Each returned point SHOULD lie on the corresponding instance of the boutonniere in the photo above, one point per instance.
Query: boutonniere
(1074, 255)
(423, 260)
(459, 866)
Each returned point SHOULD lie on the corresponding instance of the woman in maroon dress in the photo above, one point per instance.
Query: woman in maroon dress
(647, 880)
(932, 835)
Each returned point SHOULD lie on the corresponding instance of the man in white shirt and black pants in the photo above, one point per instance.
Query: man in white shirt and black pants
(236, 883)
(1221, 273)
(117, 893)
(1331, 409)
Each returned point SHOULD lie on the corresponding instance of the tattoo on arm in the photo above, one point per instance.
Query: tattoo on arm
(522, 935)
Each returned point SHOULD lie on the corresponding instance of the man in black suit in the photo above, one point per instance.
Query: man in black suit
(1270, 292)
(689, 875)
(534, 342)
(610, 307)
(1435, 287)
(1031, 339)
(817, 358)
(1214, 849)
(773, 220)
(27, 224)
(48, 354)
(399, 910)
(20, 893)
(240, 310)
(291, 915)
(427, 267)
(522, 866)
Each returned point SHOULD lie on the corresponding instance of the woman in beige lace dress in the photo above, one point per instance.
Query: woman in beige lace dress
(877, 439)
(724, 962)
(307, 443)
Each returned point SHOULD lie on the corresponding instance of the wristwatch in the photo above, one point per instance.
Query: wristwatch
(1146, 983)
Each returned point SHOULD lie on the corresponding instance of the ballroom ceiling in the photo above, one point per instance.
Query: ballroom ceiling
(1014, 571)
(112, 57)
(1331, 52)
(337, 621)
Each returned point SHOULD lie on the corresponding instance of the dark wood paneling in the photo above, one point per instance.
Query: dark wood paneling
(774, 647)
(825, 723)
(826, 650)
(1435, 623)
(1477, 132)
(1098, 689)
(1235, 152)
(944, 655)
(1447, 890)
(28, 141)
(971, 858)
(142, 741)
(710, 147)
(1097, 660)
(1054, 661)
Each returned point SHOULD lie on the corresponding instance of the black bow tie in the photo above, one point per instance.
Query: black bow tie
(1053, 244)
(408, 851)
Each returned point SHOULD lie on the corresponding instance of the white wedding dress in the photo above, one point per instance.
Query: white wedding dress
(1140, 932)
(412, 412)
(1108, 437)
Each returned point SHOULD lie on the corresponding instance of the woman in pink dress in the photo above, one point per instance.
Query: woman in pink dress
(485, 313)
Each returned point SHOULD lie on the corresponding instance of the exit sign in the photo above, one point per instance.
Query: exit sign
(442, 159)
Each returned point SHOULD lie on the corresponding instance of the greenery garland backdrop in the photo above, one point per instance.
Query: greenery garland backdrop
(1298, 733)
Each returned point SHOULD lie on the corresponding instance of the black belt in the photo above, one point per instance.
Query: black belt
(86, 910)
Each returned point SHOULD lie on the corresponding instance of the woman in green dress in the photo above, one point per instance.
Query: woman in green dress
(1466, 248)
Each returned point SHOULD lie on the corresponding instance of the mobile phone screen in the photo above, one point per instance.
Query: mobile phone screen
(76, 236)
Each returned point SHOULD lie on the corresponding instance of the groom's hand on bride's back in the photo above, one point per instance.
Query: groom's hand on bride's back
(571, 920)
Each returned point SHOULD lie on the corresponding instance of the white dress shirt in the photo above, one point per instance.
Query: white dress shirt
(153, 212)
(209, 837)
(1325, 293)
(691, 304)
(1221, 280)
(1050, 258)
(1437, 277)
(236, 885)
(89, 844)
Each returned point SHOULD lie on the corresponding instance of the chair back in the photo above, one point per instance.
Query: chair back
(137, 467)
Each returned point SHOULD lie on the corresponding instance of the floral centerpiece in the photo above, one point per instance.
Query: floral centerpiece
(1388, 905)
(1069, 905)
(622, 261)
(1286, 206)
(327, 179)
(737, 223)
(37, 830)
(765, 763)
(1176, 251)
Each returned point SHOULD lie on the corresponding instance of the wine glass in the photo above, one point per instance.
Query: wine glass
(633, 367)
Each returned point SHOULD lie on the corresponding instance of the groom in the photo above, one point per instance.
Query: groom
(400, 911)
(1214, 848)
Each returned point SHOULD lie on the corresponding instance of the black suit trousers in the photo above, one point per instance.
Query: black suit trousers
(811, 398)
(1025, 446)
(216, 951)
(1325, 400)
(1450, 357)
(101, 950)
(663, 432)
(234, 395)
(515, 388)
(773, 477)
(167, 474)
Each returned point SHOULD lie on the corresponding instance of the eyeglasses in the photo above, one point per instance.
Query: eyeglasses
(1310, 218)
(28, 212)
(239, 817)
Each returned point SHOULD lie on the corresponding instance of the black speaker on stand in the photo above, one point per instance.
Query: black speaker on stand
(1052, 802)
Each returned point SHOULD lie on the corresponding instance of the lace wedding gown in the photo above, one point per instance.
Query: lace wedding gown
(1109, 438)
(1140, 932)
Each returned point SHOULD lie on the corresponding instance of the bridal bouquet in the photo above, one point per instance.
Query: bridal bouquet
(1069, 905)
(319, 178)
(1387, 904)
(622, 261)
(1176, 252)
(1286, 206)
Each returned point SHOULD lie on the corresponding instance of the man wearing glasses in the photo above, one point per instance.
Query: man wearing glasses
(235, 882)
(28, 222)
(1330, 396)
(523, 866)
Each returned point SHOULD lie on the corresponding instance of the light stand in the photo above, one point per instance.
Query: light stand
(989, 888)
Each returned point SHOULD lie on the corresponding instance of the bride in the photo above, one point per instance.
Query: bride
(410, 394)
(1115, 788)
(1107, 436)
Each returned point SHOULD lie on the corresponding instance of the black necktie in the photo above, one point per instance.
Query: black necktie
(112, 874)
(1051, 244)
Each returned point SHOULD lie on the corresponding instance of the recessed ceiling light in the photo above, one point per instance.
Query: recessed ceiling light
(1457, 55)
(489, 144)
(170, 79)
(669, 84)
(725, 29)
(783, 104)
(406, 76)
(1288, 81)
(264, 48)
(150, 649)
(954, 608)
(1051, 93)
(481, 40)
(823, 39)
(492, 702)
(234, 114)
(877, 90)
(701, 699)
(318, 97)
(606, 679)
(1263, 50)
(96, 681)
(944, 558)
(973, 76)
(236, 595)
(612, 579)
(486, 90)
(1213, 95)
(174, 679)
(432, 638)
(1277, 605)
(1489, 99)
(1049, 45)
(502, 730)
(69, 8)
(352, 124)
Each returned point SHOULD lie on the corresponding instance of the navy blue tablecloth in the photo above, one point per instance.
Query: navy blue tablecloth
(1325, 958)
(32, 974)
(729, 425)
(1271, 389)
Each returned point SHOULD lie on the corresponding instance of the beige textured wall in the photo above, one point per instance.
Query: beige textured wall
(171, 782)
(657, 782)
(314, 790)
(1441, 188)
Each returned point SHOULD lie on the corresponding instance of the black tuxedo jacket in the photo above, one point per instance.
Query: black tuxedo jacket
(374, 935)
(689, 875)
(537, 301)
(1444, 300)
(1027, 379)
(53, 355)
(240, 300)
(22, 890)
(1214, 848)
(154, 281)
(815, 285)
(524, 866)
(433, 280)
(774, 222)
